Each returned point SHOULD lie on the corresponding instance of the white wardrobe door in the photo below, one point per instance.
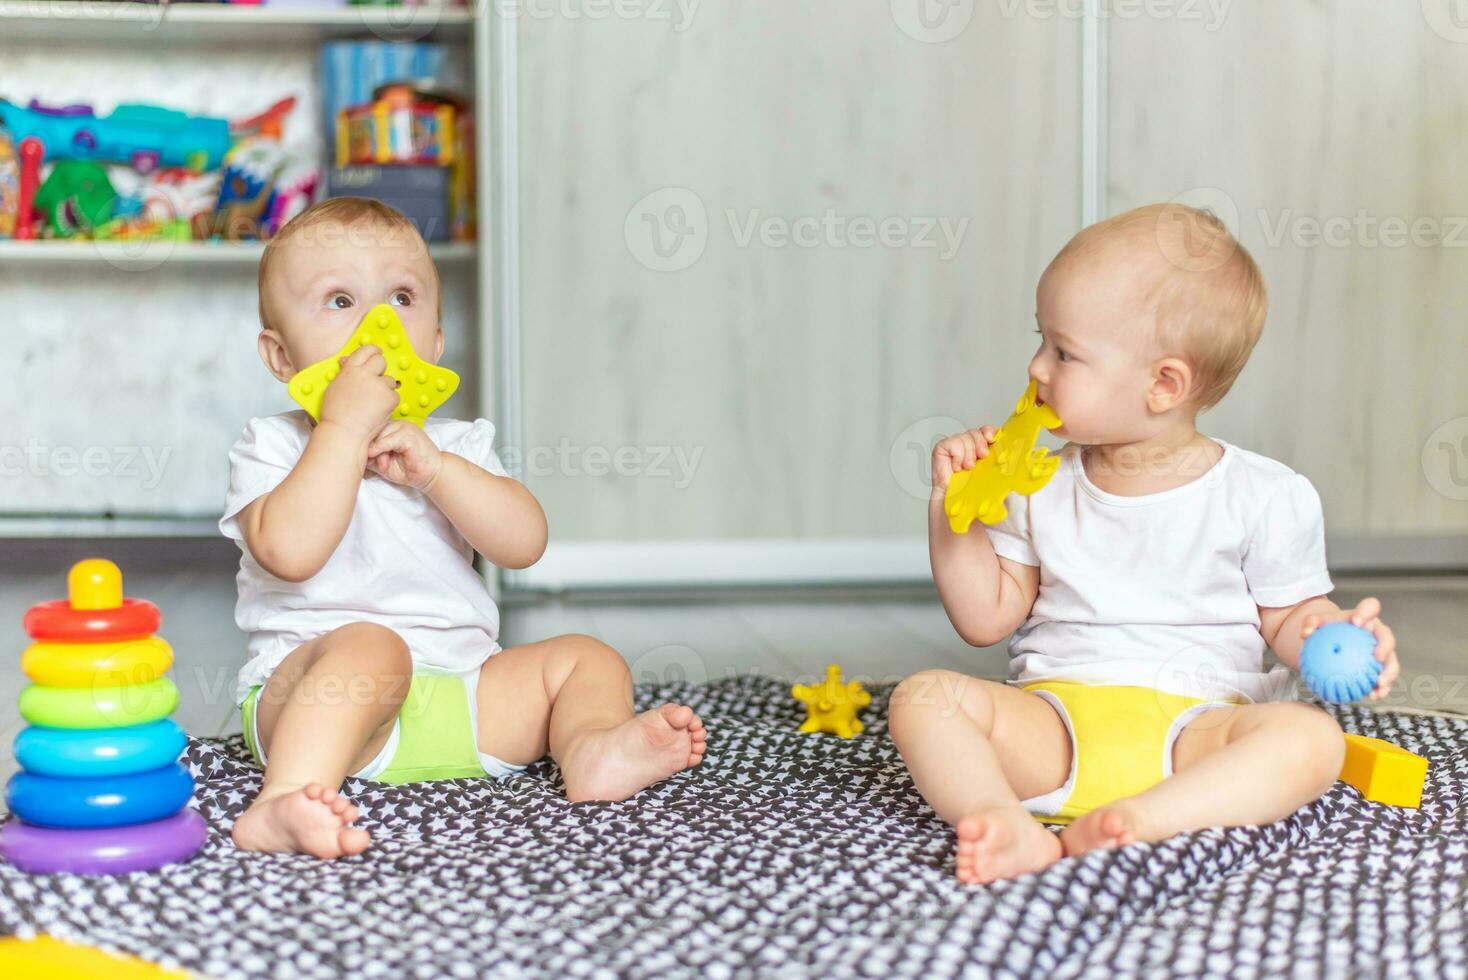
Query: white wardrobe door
(770, 254)
(1331, 136)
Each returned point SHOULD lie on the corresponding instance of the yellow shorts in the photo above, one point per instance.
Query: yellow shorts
(1121, 741)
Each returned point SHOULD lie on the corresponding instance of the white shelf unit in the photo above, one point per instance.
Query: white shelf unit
(151, 23)
(142, 256)
(180, 26)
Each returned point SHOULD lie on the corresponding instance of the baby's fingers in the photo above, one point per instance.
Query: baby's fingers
(1312, 622)
(1386, 642)
(1366, 611)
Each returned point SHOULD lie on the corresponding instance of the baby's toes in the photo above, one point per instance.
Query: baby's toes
(678, 715)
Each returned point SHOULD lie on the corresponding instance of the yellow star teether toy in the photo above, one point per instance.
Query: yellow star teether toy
(1013, 465)
(423, 386)
(831, 705)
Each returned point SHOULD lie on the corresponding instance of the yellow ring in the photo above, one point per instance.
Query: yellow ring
(136, 661)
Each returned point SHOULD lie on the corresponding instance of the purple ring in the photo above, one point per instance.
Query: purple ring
(104, 850)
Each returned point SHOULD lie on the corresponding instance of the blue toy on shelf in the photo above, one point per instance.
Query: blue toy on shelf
(1338, 662)
(145, 136)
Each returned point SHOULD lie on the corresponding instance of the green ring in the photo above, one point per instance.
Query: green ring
(98, 707)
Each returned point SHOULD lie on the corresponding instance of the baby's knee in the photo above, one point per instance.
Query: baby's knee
(919, 695)
(1319, 740)
(580, 650)
(370, 648)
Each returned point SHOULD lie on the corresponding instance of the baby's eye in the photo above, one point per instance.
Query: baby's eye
(402, 297)
(339, 301)
(1061, 354)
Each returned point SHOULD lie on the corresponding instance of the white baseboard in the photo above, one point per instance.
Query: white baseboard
(742, 563)
(719, 563)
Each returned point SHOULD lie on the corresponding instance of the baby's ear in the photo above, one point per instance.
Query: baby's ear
(273, 353)
(438, 344)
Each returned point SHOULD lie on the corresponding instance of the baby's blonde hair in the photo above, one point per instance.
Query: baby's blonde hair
(1206, 293)
(348, 212)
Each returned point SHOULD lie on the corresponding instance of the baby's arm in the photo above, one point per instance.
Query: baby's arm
(986, 597)
(497, 515)
(292, 530)
(1285, 629)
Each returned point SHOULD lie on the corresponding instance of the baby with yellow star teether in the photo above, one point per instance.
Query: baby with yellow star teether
(373, 646)
(1143, 572)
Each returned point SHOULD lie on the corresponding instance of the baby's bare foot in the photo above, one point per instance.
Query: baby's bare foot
(310, 820)
(1003, 842)
(1107, 827)
(614, 763)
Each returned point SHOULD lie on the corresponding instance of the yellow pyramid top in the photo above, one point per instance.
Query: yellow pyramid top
(424, 386)
(1013, 465)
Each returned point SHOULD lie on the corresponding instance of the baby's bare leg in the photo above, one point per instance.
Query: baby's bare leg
(572, 696)
(975, 748)
(326, 711)
(1232, 767)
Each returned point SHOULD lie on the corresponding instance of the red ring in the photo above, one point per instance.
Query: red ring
(56, 620)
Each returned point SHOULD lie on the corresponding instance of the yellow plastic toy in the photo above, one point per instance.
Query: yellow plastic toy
(45, 958)
(1383, 772)
(831, 705)
(1014, 465)
(424, 386)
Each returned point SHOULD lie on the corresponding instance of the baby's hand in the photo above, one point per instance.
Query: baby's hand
(403, 454)
(960, 452)
(1365, 616)
(363, 395)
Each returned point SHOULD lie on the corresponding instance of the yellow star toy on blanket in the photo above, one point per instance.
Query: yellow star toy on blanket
(831, 705)
(1014, 465)
(424, 386)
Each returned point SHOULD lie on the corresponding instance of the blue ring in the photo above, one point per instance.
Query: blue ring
(73, 752)
(99, 801)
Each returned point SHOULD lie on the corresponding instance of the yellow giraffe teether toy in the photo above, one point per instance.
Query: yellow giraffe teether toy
(831, 705)
(1014, 465)
(423, 386)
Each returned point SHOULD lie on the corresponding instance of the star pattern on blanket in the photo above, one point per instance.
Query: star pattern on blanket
(782, 854)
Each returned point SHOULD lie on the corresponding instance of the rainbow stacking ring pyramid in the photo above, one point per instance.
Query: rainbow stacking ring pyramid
(100, 789)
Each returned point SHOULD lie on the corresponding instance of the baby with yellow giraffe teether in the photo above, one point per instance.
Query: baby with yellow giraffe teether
(1143, 572)
(373, 646)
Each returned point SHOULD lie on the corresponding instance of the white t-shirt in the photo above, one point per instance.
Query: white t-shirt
(401, 562)
(1163, 590)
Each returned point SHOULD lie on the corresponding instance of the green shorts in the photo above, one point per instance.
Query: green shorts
(435, 736)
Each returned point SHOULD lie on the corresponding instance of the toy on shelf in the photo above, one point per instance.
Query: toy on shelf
(1383, 772)
(9, 184)
(402, 124)
(1014, 465)
(831, 705)
(423, 386)
(31, 152)
(1338, 662)
(410, 147)
(76, 199)
(100, 789)
(144, 136)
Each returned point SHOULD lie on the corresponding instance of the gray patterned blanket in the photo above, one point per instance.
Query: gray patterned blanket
(782, 855)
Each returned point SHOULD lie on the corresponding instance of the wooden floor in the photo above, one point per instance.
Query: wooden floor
(874, 635)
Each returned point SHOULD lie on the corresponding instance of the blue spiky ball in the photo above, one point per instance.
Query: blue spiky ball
(1338, 662)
